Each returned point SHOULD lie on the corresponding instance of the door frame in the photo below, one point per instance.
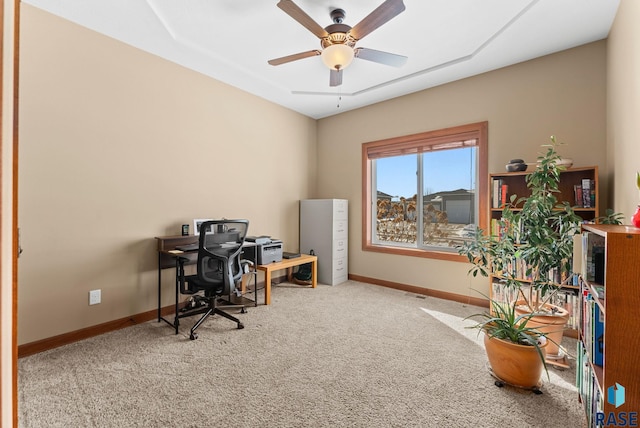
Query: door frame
(9, 245)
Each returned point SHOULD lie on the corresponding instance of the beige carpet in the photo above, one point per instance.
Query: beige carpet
(352, 355)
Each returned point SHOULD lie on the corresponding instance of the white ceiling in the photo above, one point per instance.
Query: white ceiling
(445, 40)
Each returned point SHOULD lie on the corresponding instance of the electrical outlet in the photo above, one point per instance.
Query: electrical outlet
(94, 297)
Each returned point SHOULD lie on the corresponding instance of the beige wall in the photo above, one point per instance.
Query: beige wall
(623, 107)
(561, 94)
(118, 146)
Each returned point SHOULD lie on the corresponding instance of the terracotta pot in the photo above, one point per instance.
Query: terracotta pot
(551, 325)
(517, 365)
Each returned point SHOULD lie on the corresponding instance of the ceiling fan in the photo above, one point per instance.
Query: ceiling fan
(338, 40)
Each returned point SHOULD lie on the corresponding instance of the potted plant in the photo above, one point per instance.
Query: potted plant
(515, 350)
(610, 217)
(537, 230)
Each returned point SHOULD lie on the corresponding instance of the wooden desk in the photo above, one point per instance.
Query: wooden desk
(288, 264)
(167, 259)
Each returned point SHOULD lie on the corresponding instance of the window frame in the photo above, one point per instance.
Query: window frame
(416, 143)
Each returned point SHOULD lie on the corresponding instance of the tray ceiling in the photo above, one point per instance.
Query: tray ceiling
(444, 40)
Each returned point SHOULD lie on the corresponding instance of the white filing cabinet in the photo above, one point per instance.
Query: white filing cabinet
(324, 228)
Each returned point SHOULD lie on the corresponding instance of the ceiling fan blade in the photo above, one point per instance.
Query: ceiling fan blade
(382, 14)
(380, 57)
(294, 57)
(335, 78)
(291, 9)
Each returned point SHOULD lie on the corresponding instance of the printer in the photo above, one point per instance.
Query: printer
(266, 250)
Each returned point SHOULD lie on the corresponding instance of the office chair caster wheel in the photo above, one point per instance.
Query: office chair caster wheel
(240, 326)
(193, 336)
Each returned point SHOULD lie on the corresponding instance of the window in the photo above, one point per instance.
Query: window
(423, 193)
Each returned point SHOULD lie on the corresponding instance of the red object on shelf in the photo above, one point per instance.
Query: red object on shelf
(635, 219)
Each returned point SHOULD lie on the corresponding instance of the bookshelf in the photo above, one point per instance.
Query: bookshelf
(571, 185)
(571, 180)
(607, 357)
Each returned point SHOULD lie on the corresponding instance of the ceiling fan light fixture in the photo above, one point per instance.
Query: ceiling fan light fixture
(337, 57)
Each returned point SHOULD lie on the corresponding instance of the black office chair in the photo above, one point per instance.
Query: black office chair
(219, 270)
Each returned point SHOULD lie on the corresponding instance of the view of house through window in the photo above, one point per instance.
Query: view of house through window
(425, 192)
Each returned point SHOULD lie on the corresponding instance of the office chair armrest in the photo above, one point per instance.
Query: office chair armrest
(181, 276)
(245, 265)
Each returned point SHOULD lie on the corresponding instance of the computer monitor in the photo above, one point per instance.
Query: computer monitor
(196, 225)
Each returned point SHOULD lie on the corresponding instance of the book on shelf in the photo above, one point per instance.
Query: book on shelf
(560, 275)
(591, 397)
(593, 258)
(585, 317)
(599, 402)
(577, 191)
(568, 299)
(504, 189)
(586, 192)
(520, 233)
(576, 260)
(498, 228)
(592, 328)
(599, 291)
(598, 335)
(501, 294)
(581, 379)
(499, 193)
